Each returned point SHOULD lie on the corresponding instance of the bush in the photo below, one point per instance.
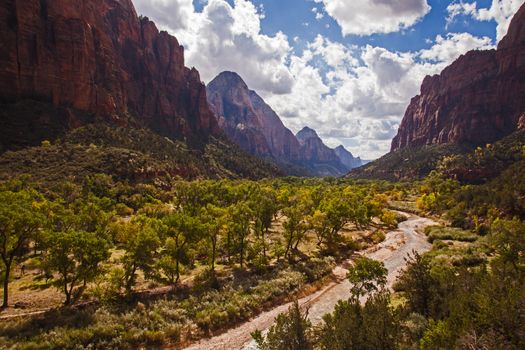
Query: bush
(449, 233)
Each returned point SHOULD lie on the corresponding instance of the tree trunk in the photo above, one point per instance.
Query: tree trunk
(177, 271)
(67, 292)
(242, 253)
(264, 235)
(213, 253)
(5, 303)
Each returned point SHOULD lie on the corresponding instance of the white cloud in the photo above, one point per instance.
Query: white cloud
(355, 96)
(365, 17)
(500, 11)
(450, 47)
(366, 90)
(224, 37)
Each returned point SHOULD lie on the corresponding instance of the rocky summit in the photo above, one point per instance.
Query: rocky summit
(476, 100)
(67, 62)
(249, 121)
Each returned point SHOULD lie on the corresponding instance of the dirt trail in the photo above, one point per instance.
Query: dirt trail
(392, 251)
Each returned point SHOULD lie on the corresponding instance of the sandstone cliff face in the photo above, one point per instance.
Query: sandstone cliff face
(316, 155)
(248, 120)
(312, 147)
(97, 58)
(476, 100)
(347, 158)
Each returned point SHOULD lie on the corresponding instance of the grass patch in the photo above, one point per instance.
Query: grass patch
(449, 234)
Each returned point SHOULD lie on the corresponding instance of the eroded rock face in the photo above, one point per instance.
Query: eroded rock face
(347, 158)
(98, 57)
(476, 100)
(312, 147)
(249, 121)
(521, 122)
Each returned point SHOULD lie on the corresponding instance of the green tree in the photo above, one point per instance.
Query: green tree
(352, 326)
(264, 204)
(367, 276)
(20, 221)
(418, 284)
(239, 228)
(141, 243)
(76, 256)
(182, 231)
(290, 332)
(214, 222)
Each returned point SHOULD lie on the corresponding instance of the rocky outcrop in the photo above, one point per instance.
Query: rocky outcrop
(476, 100)
(249, 121)
(316, 155)
(347, 158)
(313, 148)
(95, 59)
(521, 122)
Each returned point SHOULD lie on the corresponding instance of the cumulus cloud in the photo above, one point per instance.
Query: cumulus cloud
(224, 37)
(365, 90)
(365, 17)
(500, 11)
(451, 46)
(355, 96)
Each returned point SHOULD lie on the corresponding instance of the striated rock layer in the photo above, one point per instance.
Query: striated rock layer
(94, 59)
(476, 100)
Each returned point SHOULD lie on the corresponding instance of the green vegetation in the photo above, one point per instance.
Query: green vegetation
(135, 155)
(468, 291)
(175, 261)
(141, 258)
(407, 164)
(353, 325)
(449, 233)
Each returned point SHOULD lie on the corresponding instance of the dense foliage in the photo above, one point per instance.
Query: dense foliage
(200, 255)
(135, 155)
(468, 291)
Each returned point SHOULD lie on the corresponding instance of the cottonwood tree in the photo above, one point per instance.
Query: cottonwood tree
(264, 204)
(20, 221)
(296, 224)
(239, 229)
(76, 257)
(141, 243)
(182, 231)
(214, 222)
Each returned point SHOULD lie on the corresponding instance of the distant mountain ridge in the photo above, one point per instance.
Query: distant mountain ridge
(347, 158)
(248, 121)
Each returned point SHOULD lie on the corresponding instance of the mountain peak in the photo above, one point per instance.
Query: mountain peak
(342, 148)
(306, 133)
(230, 79)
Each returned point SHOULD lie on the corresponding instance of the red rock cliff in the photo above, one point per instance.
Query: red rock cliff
(98, 57)
(249, 121)
(476, 100)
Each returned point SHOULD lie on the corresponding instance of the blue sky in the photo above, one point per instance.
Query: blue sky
(347, 68)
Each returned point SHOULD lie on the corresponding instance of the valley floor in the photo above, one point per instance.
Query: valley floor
(392, 252)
